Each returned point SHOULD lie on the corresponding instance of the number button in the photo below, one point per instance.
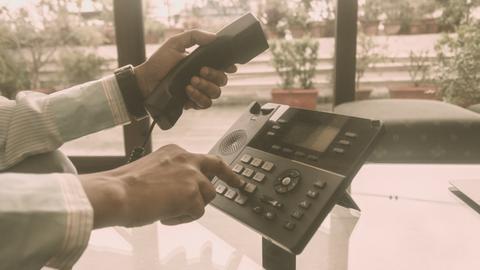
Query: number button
(246, 158)
(259, 177)
(237, 169)
(241, 199)
(220, 189)
(268, 166)
(250, 188)
(256, 162)
(231, 194)
(248, 172)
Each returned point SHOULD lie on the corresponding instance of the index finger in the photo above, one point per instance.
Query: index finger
(214, 166)
(193, 37)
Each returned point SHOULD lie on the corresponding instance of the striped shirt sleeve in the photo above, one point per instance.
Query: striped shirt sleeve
(37, 123)
(45, 219)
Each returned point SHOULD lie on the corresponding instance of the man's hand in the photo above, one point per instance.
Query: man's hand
(202, 89)
(170, 185)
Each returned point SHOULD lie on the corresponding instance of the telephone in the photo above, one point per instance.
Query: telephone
(236, 43)
(296, 165)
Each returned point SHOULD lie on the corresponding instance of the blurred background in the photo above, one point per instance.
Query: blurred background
(425, 49)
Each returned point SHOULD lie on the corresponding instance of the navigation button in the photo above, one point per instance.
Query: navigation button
(271, 133)
(287, 150)
(300, 154)
(237, 169)
(268, 166)
(256, 162)
(246, 158)
(258, 209)
(320, 184)
(345, 142)
(339, 150)
(351, 135)
(270, 215)
(312, 158)
(298, 214)
(276, 147)
(289, 225)
(282, 121)
(276, 127)
(312, 194)
(248, 172)
(305, 204)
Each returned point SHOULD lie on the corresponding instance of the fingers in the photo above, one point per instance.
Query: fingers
(199, 99)
(215, 76)
(231, 69)
(208, 88)
(189, 38)
(214, 166)
(195, 212)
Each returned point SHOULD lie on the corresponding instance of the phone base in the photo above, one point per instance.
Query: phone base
(277, 258)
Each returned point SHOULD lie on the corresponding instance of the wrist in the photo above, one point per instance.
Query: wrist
(107, 197)
(143, 86)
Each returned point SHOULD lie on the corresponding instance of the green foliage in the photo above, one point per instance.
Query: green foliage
(419, 67)
(459, 65)
(79, 66)
(368, 56)
(36, 35)
(456, 13)
(295, 61)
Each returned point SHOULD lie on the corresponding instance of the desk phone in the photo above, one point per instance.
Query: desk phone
(296, 165)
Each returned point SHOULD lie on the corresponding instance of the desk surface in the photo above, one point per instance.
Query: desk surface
(409, 220)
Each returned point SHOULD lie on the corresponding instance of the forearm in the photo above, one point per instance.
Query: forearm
(44, 219)
(37, 123)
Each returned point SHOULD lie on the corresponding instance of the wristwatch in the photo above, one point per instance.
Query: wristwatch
(127, 82)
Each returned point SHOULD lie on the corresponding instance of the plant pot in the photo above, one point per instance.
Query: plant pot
(297, 31)
(323, 29)
(392, 28)
(370, 28)
(417, 27)
(299, 98)
(431, 26)
(414, 92)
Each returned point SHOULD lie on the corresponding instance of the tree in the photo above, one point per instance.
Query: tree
(37, 35)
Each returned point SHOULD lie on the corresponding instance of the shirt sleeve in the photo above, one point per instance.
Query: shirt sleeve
(37, 123)
(44, 220)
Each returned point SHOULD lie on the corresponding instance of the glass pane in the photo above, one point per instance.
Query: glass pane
(408, 49)
(48, 46)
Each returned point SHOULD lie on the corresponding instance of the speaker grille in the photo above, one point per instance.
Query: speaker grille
(233, 142)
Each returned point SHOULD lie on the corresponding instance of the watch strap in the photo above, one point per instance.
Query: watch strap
(132, 96)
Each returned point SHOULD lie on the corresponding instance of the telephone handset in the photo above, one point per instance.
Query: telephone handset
(296, 165)
(237, 43)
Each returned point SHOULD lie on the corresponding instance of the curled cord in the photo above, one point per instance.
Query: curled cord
(139, 151)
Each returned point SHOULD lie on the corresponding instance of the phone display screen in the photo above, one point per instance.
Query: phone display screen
(311, 135)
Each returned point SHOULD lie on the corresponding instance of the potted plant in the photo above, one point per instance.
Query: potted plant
(398, 17)
(420, 86)
(295, 62)
(367, 57)
(370, 21)
(458, 71)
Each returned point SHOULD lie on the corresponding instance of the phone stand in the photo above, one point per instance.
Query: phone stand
(276, 258)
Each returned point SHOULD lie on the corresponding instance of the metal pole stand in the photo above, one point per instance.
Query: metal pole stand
(276, 258)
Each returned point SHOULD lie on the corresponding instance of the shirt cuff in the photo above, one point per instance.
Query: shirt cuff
(115, 100)
(79, 222)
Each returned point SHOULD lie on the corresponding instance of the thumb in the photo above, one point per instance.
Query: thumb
(193, 37)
